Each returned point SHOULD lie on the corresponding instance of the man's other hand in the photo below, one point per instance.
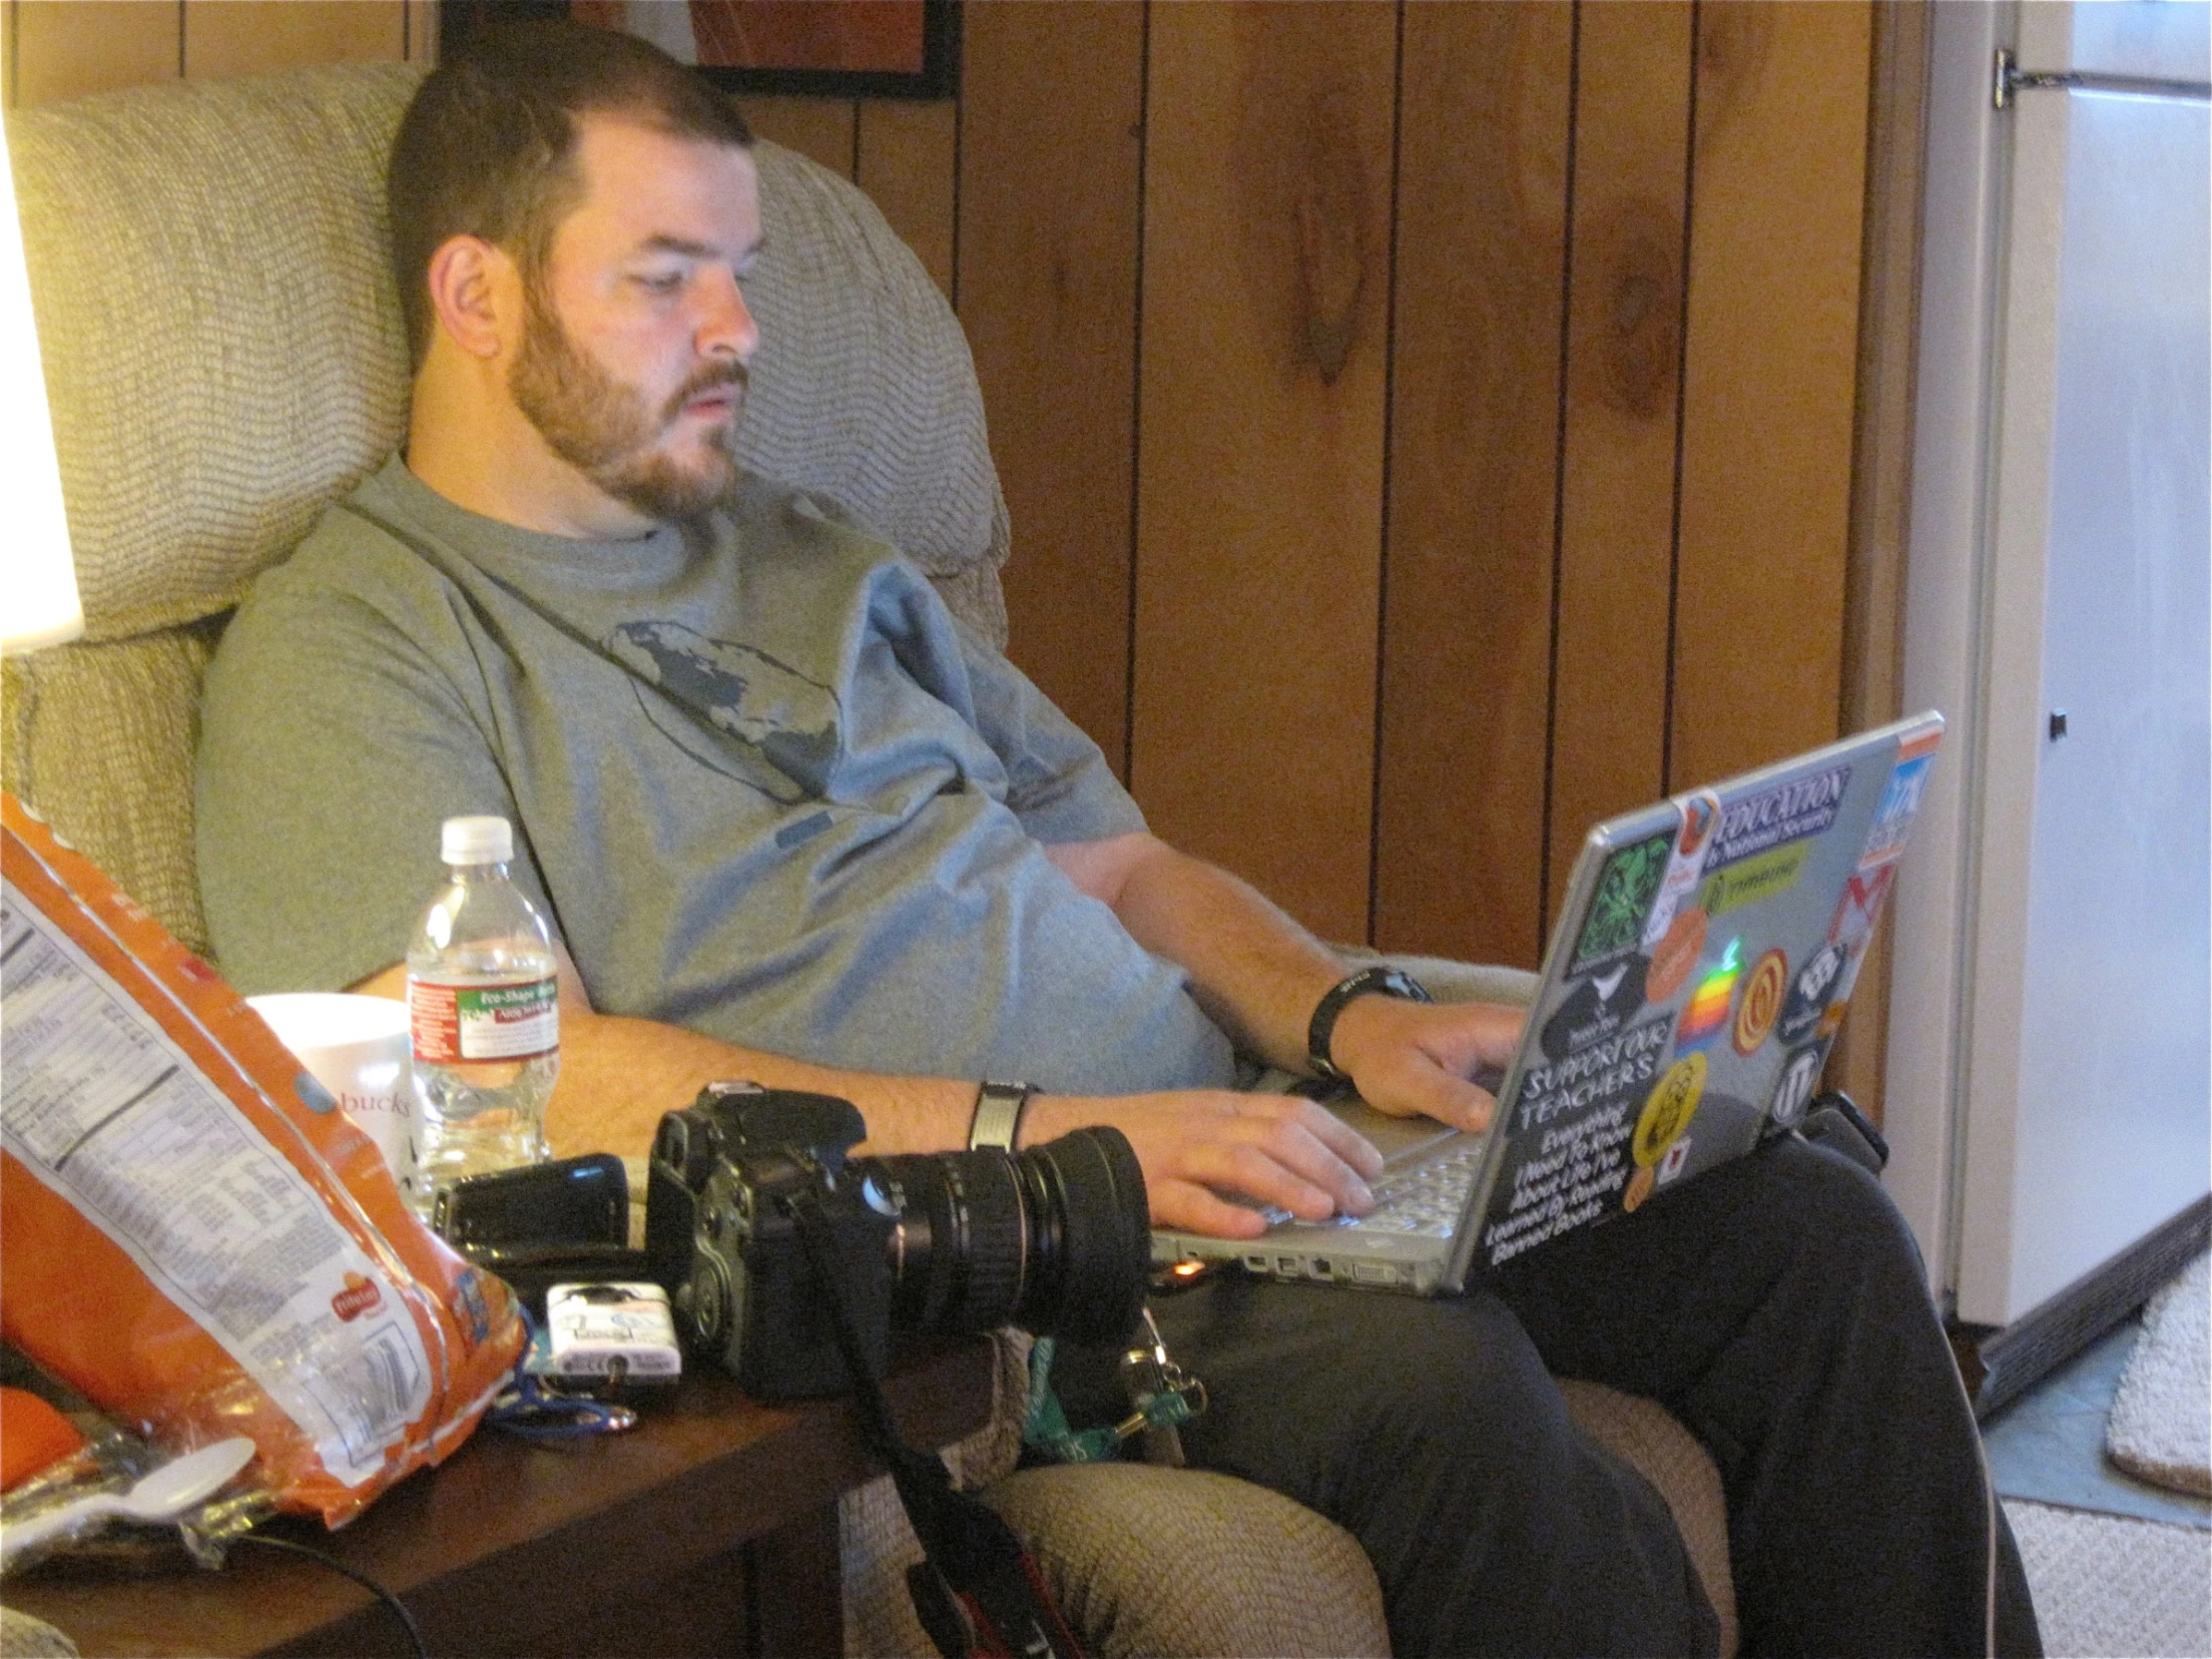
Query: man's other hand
(1418, 1059)
(1196, 1144)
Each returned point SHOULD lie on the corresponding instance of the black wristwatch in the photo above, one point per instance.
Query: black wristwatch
(997, 1119)
(1370, 982)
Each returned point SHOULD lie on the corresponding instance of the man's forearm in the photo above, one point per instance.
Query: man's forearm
(619, 1075)
(1254, 970)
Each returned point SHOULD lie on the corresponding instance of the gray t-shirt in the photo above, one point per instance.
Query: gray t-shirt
(761, 783)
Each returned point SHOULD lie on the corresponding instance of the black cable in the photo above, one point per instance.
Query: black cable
(399, 1608)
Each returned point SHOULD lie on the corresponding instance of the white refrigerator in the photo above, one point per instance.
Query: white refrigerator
(2049, 1084)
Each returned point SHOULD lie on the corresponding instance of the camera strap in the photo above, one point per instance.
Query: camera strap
(976, 1590)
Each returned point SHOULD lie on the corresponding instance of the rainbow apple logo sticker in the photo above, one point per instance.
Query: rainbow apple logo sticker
(1709, 1004)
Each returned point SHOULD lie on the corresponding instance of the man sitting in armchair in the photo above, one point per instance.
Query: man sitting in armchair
(791, 824)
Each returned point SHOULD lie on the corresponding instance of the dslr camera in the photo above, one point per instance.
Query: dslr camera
(1055, 1238)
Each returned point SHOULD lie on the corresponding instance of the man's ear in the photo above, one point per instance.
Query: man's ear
(477, 292)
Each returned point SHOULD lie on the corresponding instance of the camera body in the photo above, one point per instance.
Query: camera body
(1055, 1238)
(718, 1235)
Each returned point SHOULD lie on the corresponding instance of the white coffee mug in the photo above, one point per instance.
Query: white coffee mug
(357, 1048)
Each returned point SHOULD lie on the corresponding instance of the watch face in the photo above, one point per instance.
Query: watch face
(1379, 981)
(1390, 981)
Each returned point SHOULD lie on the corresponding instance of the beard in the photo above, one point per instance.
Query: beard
(604, 429)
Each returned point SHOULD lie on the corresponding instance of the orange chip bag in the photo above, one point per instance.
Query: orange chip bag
(32, 1435)
(193, 1241)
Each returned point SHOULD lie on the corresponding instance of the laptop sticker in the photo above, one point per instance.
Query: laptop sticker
(1712, 1000)
(1625, 891)
(1639, 1188)
(1700, 813)
(1794, 1091)
(1809, 993)
(1762, 1003)
(1900, 800)
(1668, 1110)
(1791, 812)
(1769, 875)
(1676, 954)
(1596, 1009)
(1861, 905)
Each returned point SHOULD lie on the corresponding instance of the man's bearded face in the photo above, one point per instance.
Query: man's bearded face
(610, 430)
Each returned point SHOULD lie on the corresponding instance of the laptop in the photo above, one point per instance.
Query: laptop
(1697, 975)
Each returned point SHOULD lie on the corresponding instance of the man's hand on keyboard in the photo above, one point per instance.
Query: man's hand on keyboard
(1196, 1144)
(1418, 1059)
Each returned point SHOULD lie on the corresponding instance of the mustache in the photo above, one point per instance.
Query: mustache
(709, 378)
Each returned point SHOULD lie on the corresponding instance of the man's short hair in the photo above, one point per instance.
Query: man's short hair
(487, 147)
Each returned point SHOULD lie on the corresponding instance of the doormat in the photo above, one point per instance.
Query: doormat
(2161, 1424)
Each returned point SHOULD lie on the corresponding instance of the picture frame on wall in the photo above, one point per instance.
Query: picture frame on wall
(821, 48)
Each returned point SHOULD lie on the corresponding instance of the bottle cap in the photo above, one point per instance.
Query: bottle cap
(478, 840)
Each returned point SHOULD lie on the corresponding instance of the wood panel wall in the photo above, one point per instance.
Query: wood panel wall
(1490, 372)
(61, 48)
(1427, 427)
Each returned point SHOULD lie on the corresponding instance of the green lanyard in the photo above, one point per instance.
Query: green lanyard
(1163, 1397)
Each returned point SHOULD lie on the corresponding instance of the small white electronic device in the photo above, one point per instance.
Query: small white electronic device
(609, 1334)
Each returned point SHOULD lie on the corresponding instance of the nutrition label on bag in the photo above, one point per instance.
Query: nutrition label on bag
(106, 1111)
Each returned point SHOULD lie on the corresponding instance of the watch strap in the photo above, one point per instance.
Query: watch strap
(997, 1119)
(1378, 980)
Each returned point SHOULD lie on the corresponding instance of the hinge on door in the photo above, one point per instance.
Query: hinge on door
(2008, 78)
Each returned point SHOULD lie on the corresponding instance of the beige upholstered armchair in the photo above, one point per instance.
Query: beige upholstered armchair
(226, 355)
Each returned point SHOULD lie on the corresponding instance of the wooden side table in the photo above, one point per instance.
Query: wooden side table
(711, 1528)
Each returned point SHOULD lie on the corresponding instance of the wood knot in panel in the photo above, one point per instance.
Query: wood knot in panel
(1734, 42)
(1639, 260)
(1331, 252)
(1306, 172)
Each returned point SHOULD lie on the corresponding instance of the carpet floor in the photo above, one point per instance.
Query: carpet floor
(2112, 1587)
(2118, 1566)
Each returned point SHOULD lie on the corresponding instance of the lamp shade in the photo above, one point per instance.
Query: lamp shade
(38, 597)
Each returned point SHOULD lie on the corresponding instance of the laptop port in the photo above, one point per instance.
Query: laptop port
(1288, 1264)
(1373, 1273)
(1255, 1264)
(1321, 1267)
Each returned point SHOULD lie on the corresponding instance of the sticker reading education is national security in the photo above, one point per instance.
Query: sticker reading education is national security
(1787, 813)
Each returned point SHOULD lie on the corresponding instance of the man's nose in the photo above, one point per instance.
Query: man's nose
(726, 327)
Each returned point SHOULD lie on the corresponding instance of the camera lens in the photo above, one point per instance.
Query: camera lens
(1055, 1238)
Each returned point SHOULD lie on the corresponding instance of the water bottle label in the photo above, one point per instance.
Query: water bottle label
(484, 1022)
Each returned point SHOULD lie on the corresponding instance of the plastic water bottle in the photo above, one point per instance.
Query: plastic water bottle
(482, 991)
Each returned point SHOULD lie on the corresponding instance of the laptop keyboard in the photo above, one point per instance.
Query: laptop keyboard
(1423, 1199)
(1426, 1200)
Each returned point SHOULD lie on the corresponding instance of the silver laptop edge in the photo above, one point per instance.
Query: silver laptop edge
(1340, 1250)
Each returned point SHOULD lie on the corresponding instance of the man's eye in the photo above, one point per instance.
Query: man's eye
(662, 282)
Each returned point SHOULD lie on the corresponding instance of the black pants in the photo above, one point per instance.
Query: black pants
(1776, 1306)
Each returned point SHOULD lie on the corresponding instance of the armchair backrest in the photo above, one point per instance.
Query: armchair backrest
(224, 356)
